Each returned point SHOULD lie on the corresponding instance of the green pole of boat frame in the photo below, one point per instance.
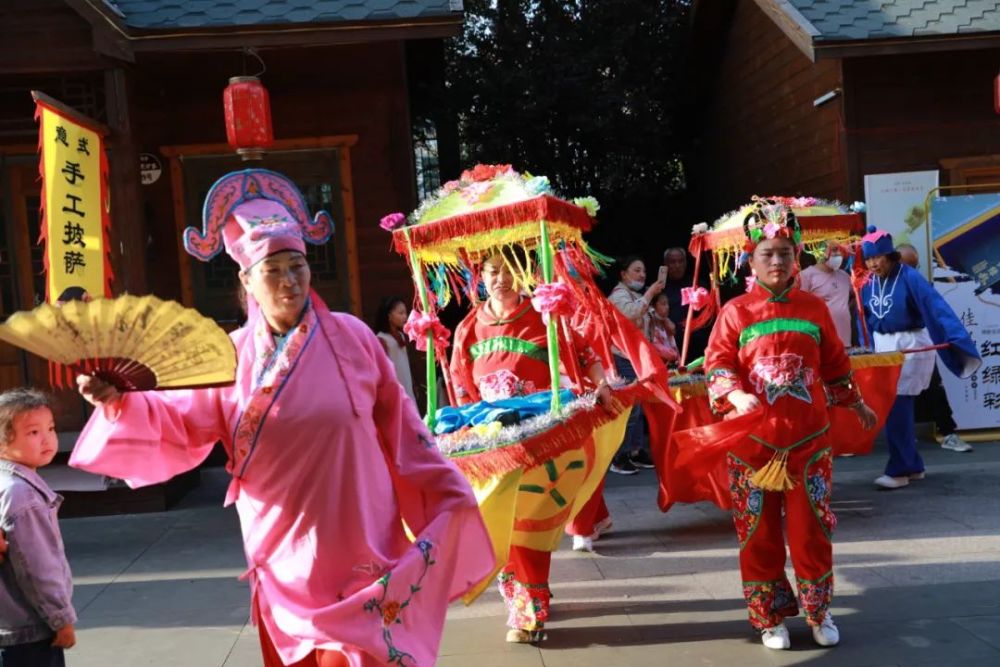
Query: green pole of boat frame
(418, 278)
(545, 250)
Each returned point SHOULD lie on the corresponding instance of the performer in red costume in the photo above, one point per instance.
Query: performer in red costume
(774, 360)
(500, 351)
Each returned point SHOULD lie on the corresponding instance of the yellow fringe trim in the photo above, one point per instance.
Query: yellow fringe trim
(774, 476)
(879, 359)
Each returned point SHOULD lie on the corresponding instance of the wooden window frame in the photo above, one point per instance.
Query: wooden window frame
(342, 143)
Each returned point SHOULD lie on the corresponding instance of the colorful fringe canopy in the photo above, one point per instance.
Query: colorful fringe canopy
(820, 222)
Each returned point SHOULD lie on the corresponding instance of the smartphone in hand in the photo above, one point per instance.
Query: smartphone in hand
(662, 276)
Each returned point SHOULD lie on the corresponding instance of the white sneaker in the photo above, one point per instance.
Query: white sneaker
(583, 543)
(776, 637)
(887, 482)
(955, 444)
(826, 633)
(917, 475)
(603, 526)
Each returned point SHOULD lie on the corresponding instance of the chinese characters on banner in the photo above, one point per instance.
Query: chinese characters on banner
(961, 227)
(73, 169)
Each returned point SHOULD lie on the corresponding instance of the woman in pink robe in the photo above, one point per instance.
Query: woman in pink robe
(328, 456)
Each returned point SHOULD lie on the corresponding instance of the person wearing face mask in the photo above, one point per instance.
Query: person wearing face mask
(828, 282)
(633, 298)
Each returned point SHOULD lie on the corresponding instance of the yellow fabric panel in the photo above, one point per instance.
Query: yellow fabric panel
(497, 500)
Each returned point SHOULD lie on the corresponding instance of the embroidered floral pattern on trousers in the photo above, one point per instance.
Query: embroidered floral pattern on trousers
(769, 602)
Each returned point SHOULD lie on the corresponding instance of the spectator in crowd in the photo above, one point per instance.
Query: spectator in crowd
(661, 329)
(389, 322)
(633, 298)
(828, 282)
(36, 586)
(678, 277)
(934, 400)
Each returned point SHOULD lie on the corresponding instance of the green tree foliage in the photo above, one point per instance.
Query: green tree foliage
(587, 92)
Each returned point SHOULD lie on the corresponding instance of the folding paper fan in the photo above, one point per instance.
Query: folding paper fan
(135, 343)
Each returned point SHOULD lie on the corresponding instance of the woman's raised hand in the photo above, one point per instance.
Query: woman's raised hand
(97, 392)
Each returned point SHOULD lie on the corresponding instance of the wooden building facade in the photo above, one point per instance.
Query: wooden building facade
(154, 72)
(803, 97)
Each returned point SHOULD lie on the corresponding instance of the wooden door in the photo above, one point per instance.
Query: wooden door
(22, 283)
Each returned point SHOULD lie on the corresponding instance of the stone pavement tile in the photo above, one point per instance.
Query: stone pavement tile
(246, 651)
(198, 600)
(125, 645)
(960, 568)
(899, 603)
(571, 566)
(904, 642)
(662, 563)
(856, 579)
(986, 628)
(100, 548)
(528, 656)
(482, 641)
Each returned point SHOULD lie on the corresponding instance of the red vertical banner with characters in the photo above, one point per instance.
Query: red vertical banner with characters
(75, 211)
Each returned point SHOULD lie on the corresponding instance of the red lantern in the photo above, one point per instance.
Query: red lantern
(248, 117)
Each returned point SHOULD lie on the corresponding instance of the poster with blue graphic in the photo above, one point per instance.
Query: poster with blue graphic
(965, 241)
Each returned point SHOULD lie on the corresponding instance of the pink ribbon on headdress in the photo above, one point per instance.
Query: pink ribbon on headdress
(553, 299)
(696, 297)
(751, 281)
(419, 324)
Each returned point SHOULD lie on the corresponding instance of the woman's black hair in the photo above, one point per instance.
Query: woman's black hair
(627, 261)
(382, 314)
(659, 295)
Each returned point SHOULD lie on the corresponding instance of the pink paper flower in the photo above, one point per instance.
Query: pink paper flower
(392, 221)
(419, 324)
(751, 281)
(771, 230)
(450, 187)
(554, 299)
(476, 192)
(503, 384)
(696, 297)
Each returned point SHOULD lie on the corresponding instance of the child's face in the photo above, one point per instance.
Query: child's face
(35, 443)
(397, 316)
(662, 307)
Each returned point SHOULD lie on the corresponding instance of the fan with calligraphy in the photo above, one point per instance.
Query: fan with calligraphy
(134, 343)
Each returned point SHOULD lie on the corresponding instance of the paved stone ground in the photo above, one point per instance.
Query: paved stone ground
(918, 583)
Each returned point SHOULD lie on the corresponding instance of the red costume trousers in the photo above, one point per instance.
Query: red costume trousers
(591, 514)
(809, 520)
(318, 658)
(524, 585)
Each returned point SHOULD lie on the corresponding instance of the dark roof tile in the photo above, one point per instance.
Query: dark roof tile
(167, 14)
(867, 19)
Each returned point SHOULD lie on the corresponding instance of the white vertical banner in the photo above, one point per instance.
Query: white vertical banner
(895, 203)
(965, 234)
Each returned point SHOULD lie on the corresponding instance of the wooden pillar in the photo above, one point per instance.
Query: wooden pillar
(128, 225)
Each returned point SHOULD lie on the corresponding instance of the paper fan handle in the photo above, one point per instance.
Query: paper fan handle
(123, 374)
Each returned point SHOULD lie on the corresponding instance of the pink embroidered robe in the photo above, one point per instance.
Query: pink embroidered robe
(321, 501)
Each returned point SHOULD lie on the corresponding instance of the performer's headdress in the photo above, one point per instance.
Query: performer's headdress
(766, 218)
(253, 214)
(876, 242)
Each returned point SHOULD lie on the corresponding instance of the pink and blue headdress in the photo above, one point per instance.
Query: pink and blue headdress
(253, 214)
(876, 242)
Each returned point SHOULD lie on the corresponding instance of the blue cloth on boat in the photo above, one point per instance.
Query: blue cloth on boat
(506, 411)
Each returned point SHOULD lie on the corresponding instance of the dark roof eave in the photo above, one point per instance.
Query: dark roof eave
(832, 49)
(272, 36)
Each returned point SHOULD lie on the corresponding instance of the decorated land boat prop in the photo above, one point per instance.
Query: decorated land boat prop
(696, 466)
(535, 459)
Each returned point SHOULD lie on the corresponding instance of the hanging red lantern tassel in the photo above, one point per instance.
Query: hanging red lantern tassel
(996, 94)
(248, 117)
